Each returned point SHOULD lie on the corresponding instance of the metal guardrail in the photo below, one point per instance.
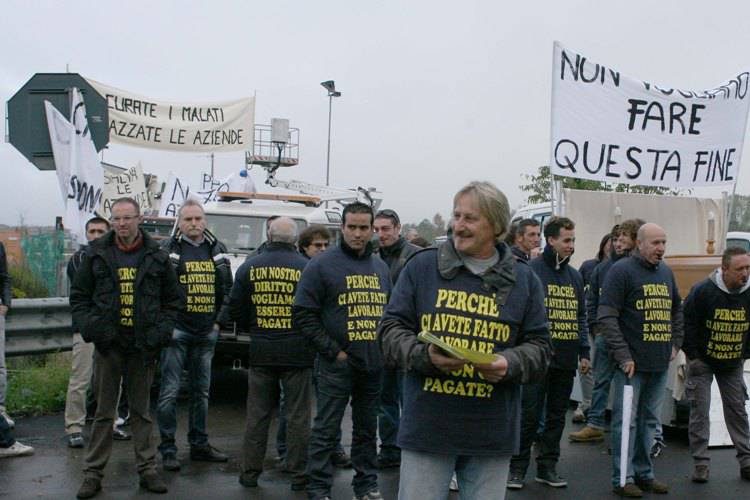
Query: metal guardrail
(38, 326)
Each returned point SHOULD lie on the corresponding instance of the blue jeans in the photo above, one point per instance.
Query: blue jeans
(604, 370)
(337, 383)
(389, 415)
(194, 352)
(648, 394)
(6, 437)
(426, 476)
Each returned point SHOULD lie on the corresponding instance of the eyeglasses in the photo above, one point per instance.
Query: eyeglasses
(127, 218)
(390, 214)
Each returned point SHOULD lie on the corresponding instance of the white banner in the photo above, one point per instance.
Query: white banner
(78, 169)
(145, 122)
(608, 127)
(178, 189)
(128, 184)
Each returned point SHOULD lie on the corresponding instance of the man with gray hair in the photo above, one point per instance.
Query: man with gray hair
(261, 304)
(205, 280)
(471, 292)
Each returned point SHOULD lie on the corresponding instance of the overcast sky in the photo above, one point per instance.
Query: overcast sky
(435, 93)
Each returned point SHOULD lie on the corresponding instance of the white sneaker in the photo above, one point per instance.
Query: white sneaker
(11, 422)
(17, 450)
(119, 422)
(454, 483)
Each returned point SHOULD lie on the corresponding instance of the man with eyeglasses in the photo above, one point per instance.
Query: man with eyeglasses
(125, 300)
(314, 240)
(394, 250)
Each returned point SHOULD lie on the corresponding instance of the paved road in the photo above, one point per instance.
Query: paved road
(55, 470)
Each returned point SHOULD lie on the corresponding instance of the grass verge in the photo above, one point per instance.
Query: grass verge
(37, 385)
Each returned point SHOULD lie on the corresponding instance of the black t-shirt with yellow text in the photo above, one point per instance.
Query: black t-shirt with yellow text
(196, 276)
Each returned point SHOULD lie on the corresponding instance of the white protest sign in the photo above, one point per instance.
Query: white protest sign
(608, 127)
(145, 122)
(128, 184)
(78, 168)
(178, 189)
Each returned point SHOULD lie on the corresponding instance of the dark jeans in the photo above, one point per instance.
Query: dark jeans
(604, 370)
(194, 352)
(389, 415)
(6, 437)
(556, 388)
(262, 401)
(337, 383)
(110, 367)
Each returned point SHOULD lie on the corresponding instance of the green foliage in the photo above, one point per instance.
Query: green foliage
(26, 284)
(37, 384)
(538, 186)
(427, 229)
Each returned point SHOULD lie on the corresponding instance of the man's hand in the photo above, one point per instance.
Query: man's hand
(495, 371)
(674, 353)
(629, 368)
(3, 310)
(584, 366)
(445, 364)
(341, 356)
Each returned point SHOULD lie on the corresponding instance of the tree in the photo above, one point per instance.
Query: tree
(538, 186)
(739, 220)
(427, 229)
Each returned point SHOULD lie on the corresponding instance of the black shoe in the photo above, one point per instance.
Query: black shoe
(90, 488)
(387, 461)
(150, 481)
(120, 435)
(550, 478)
(249, 479)
(169, 462)
(75, 440)
(341, 460)
(515, 481)
(207, 453)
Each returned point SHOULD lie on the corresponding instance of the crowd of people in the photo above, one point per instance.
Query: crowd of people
(333, 324)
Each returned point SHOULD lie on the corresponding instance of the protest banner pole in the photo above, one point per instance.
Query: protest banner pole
(552, 132)
(627, 408)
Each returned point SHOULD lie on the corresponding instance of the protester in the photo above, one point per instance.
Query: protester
(340, 298)
(411, 234)
(5, 298)
(624, 236)
(587, 379)
(261, 304)
(205, 280)
(527, 238)
(83, 352)
(716, 345)
(566, 312)
(395, 251)
(125, 300)
(9, 447)
(460, 416)
(640, 315)
(315, 239)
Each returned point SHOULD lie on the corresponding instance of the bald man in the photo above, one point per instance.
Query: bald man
(261, 304)
(640, 315)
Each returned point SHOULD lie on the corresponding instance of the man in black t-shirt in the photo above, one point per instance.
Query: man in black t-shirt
(339, 301)
(205, 280)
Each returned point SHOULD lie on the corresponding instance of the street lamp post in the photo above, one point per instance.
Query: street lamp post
(330, 86)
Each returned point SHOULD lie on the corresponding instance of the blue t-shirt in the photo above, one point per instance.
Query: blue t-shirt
(350, 293)
(461, 413)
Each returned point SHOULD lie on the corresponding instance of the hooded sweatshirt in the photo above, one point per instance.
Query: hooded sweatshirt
(717, 323)
(565, 306)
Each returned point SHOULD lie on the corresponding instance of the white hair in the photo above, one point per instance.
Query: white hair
(283, 230)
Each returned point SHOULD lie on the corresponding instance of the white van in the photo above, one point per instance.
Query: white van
(738, 239)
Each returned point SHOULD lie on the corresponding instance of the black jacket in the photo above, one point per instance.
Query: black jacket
(396, 256)
(94, 297)
(5, 291)
(223, 283)
(73, 264)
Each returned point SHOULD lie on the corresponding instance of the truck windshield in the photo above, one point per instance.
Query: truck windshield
(241, 233)
(743, 244)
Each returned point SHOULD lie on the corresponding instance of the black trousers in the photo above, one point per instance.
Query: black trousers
(551, 396)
